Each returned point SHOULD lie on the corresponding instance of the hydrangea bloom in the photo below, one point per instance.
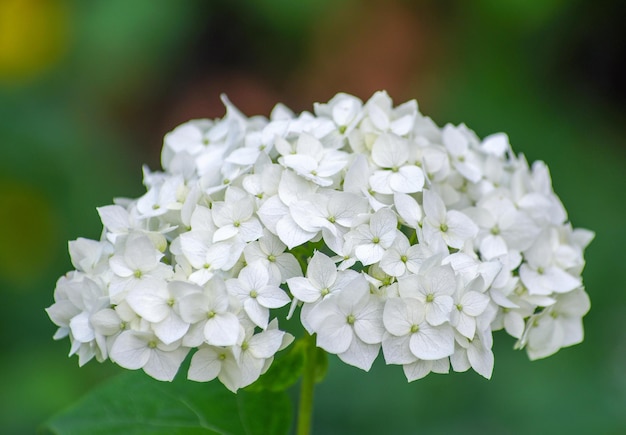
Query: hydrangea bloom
(427, 240)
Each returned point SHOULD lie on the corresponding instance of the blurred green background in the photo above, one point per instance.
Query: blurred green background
(88, 89)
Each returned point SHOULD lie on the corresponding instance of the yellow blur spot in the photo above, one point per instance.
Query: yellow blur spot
(33, 36)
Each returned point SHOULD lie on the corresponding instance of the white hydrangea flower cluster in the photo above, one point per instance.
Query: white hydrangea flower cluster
(426, 240)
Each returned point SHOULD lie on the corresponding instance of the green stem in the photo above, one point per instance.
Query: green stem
(305, 407)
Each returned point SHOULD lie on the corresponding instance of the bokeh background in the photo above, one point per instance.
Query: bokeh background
(88, 89)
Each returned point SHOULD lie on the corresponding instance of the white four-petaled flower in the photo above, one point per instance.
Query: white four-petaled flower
(412, 238)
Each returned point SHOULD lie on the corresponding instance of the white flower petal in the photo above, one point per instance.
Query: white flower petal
(434, 207)
(396, 317)
(114, 218)
(130, 351)
(250, 230)
(492, 247)
(81, 328)
(222, 330)
(416, 370)
(378, 117)
(265, 344)
(396, 349)
(360, 354)
(322, 271)
(257, 313)
(380, 181)
(273, 297)
(205, 365)
(271, 212)
(334, 335)
(149, 300)
(163, 366)
(303, 290)
(408, 179)
(170, 329)
(438, 311)
(481, 359)
(466, 325)
(474, 303)
(431, 343)
(291, 234)
(408, 209)
(224, 233)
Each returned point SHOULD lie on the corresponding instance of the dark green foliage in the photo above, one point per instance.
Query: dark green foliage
(134, 403)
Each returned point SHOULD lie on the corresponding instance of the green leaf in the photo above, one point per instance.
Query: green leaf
(288, 367)
(134, 403)
(321, 364)
(264, 412)
(284, 371)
